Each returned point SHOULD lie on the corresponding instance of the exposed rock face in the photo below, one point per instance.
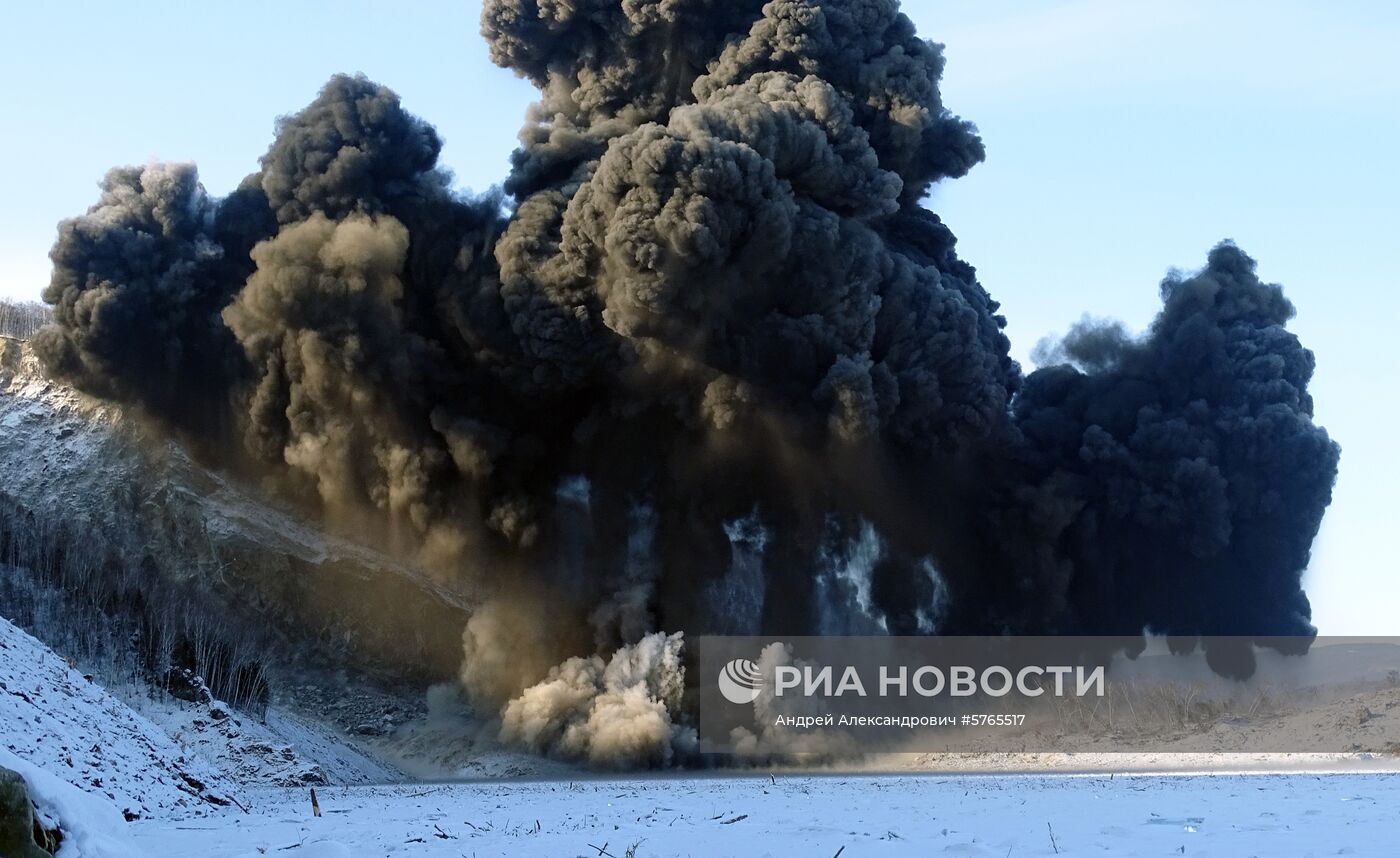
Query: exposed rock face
(11, 352)
(18, 830)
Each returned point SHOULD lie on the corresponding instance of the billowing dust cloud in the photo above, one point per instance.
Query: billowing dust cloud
(706, 365)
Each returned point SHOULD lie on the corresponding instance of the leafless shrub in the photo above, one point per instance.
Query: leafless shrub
(106, 602)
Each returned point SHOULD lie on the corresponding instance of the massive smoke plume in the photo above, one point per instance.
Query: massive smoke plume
(708, 367)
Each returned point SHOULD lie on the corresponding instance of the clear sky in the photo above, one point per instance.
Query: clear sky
(1123, 138)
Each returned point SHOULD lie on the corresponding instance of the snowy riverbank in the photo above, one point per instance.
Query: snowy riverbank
(982, 815)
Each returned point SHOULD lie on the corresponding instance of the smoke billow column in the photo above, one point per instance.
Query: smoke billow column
(706, 364)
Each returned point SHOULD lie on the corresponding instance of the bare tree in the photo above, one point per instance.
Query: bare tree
(103, 599)
(20, 319)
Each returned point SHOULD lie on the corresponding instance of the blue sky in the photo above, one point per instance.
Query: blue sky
(1123, 139)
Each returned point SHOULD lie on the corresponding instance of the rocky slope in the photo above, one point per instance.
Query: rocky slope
(355, 639)
(349, 639)
(66, 458)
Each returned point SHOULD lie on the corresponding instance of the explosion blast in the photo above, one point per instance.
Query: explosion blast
(705, 366)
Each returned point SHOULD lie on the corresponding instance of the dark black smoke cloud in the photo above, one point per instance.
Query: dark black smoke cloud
(354, 149)
(138, 283)
(1190, 459)
(715, 370)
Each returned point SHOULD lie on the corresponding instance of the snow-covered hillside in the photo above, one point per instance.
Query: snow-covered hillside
(58, 720)
(170, 760)
(152, 754)
(74, 461)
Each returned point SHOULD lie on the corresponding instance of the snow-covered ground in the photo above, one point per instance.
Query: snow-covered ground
(969, 815)
(53, 717)
(169, 759)
(282, 750)
(193, 784)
